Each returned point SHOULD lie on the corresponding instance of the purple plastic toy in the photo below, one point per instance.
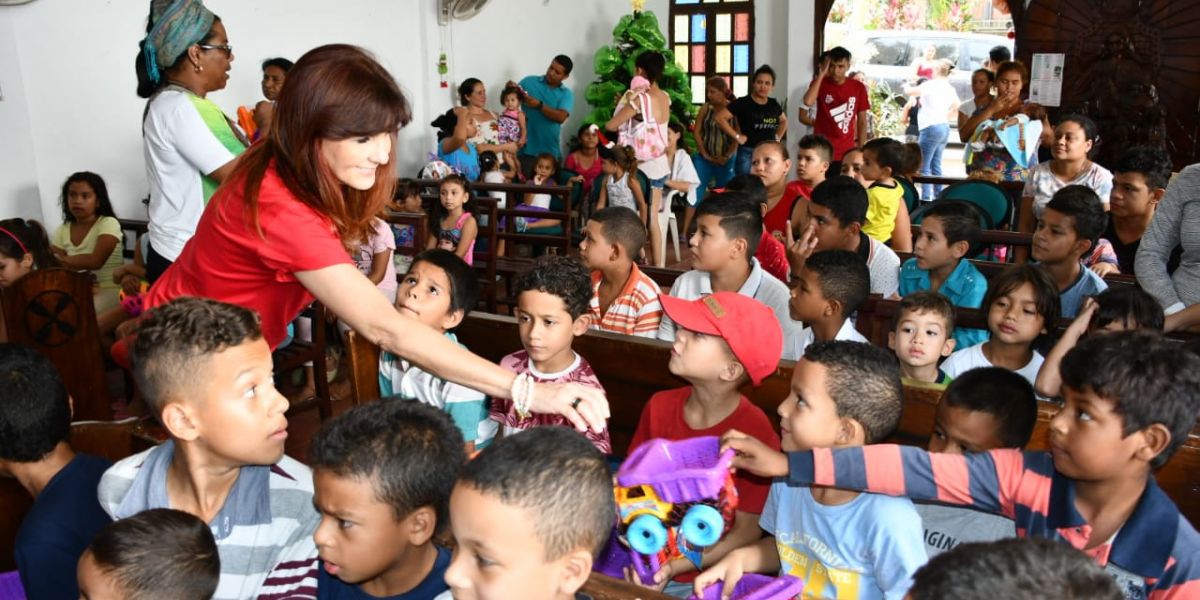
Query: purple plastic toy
(753, 586)
(680, 471)
(674, 499)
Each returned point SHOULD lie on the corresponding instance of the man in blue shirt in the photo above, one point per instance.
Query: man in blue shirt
(547, 106)
(35, 422)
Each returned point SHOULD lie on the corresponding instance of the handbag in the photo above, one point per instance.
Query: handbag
(645, 136)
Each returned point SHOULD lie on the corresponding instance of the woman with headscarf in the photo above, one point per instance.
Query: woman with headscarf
(190, 145)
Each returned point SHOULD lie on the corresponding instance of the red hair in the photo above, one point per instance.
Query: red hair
(334, 92)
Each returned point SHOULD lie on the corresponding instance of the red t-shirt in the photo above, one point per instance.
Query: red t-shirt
(772, 256)
(837, 112)
(663, 418)
(228, 260)
(776, 219)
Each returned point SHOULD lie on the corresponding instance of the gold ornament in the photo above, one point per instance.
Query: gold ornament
(637, 5)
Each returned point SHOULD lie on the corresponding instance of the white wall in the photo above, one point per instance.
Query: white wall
(18, 180)
(66, 71)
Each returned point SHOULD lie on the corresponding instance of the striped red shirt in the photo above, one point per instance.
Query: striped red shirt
(635, 311)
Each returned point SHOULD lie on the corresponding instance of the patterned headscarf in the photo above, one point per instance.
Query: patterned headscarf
(177, 24)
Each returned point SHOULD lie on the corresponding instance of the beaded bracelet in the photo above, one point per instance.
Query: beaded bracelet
(522, 388)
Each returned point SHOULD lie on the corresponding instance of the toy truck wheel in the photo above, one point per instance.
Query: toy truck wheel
(702, 525)
(646, 535)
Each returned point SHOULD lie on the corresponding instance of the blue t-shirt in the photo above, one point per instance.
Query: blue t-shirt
(332, 588)
(464, 160)
(1087, 284)
(542, 134)
(867, 548)
(965, 287)
(60, 526)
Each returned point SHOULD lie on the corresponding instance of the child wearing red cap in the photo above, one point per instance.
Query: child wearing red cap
(721, 341)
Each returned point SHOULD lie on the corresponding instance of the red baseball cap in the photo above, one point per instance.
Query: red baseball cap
(747, 325)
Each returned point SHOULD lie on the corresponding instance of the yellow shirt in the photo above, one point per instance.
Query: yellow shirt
(102, 226)
(883, 204)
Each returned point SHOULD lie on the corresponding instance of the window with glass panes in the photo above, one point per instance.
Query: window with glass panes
(714, 37)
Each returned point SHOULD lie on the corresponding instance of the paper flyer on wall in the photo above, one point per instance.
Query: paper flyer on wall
(1046, 78)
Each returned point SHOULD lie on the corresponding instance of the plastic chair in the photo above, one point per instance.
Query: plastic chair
(991, 200)
(912, 198)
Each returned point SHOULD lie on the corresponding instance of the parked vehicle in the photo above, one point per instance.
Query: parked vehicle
(887, 56)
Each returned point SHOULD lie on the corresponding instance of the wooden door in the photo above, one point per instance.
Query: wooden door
(1131, 65)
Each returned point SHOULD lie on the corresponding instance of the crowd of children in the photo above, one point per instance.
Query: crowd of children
(439, 491)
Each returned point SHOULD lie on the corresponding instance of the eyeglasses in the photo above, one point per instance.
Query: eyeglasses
(226, 48)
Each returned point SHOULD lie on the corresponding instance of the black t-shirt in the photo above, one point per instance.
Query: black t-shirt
(1126, 253)
(758, 122)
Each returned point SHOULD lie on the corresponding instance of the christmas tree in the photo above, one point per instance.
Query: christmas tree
(634, 34)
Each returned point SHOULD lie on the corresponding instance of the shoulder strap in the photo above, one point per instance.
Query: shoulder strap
(462, 219)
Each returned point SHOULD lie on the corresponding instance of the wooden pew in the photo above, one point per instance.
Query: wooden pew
(51, 310)
(633, 369)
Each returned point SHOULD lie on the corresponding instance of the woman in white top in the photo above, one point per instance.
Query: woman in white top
(190, 145)
(939, 103)
(473, 95)
(1074, 140)
(683, 180)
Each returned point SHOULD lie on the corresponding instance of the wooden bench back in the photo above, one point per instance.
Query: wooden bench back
(51, 310)
(633, 369)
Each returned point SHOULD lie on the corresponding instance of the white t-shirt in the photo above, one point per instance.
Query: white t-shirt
(179, 149)
(497, 177)
(805, 339)
(884, 266)
(937, 100)
(972, 358)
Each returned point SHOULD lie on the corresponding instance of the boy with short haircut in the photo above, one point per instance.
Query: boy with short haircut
(529, 515)
(882, 159)
(551, 311)
(624, 299)
(922, 335)
(842, 103)
(983, 409)
(382, 477)
(1067, 231)
(158, 553)
(1129, 402)
(830, 288)
(35, 425)
(439, 290)
(728, 228)
(771, 254)
(721, 341)
(1139, 181)
(949, 233)
(814, 154)
(837, 212)
(843, 544)
(206, 372)
(1030, 569)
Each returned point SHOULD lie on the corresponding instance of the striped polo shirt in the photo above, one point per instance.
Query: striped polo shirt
(264, 531)
(1155, 555)
(635, 311)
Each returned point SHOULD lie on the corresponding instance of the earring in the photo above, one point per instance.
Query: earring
(198, 67)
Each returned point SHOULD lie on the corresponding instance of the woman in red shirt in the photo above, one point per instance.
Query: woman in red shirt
(279, 232)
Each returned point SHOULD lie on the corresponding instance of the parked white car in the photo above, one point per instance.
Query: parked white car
(887, 56)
